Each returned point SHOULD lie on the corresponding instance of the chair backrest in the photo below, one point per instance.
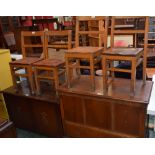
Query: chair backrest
(94, 28)
(58, 40)
(136, 26)
(33, 43)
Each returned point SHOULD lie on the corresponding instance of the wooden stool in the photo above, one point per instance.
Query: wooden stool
(27, 61)
(89, 53)
(123, 54)
(7, 129)
(49, 69)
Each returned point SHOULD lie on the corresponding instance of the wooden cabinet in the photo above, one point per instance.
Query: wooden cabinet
(40, 114)
(95, 114)
(5, 78)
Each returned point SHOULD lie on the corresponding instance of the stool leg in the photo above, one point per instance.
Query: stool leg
(30, 77)
(37, 81)
(104, 72)
(133, 76)
(13, 76)
(92, 76)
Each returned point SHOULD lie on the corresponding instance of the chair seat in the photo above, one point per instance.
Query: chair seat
(49, 63)
(26, 61)
(85, 50)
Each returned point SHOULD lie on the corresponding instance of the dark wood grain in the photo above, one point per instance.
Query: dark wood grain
(97, 114)
(39, 114)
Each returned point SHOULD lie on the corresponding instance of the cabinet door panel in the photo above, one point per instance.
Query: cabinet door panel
(98, 113)
(19, 111)
(73, 108)
(128, 119)
(46, 118)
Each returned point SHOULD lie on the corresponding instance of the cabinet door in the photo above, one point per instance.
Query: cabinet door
(19, 110)
(72, 108)
(47, 118)
(129, 119)
(98, 113)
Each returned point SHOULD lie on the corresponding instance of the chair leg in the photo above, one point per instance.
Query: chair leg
(13, 76)
(92, 76)
(68, 73)
(30, 77)
(56, 78)
(133, 77)
(37, 82)
(104, 72)
(78, 69)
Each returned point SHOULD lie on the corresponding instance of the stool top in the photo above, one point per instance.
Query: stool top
(49, 63)
(25, 61)
(85, 50)
(123, 51)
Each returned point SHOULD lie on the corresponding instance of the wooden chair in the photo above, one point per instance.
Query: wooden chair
(87, 53)
(52, 68)
(133, 55)
(27, 61)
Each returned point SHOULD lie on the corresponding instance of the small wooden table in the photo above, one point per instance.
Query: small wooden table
(92, 54)
(122, 54)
